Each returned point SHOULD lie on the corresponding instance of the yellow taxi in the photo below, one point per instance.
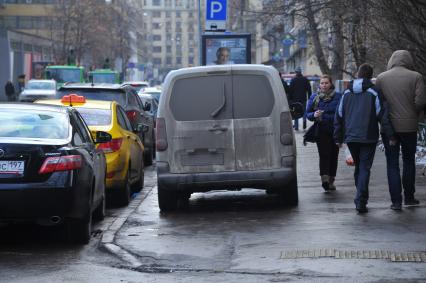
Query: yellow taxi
(124, 153)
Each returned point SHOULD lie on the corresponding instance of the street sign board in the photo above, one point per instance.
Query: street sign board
(216, 14)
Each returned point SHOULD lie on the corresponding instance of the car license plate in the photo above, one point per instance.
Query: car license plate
(12, 167)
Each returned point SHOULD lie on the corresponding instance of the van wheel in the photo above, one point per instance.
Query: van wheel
(289, 195)
(125, 191)
(167, 200)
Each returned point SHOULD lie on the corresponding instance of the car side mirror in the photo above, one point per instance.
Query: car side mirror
(102, 137)
(296, 110)
(147, 106)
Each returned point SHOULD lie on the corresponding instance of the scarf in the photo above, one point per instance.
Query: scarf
(324, 96)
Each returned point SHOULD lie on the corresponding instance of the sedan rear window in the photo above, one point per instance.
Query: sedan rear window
(96, 94)
(33, 124)
(96, 117)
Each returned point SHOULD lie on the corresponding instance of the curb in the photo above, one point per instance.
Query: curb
(108, 236)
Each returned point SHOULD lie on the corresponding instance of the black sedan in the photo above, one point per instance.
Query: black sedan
(50, 170)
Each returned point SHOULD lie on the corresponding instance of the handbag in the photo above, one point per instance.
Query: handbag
(311, 134)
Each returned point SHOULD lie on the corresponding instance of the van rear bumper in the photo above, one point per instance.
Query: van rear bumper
(203, 182)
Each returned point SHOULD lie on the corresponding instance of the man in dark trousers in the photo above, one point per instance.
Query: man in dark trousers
(404, 89)
(360, 110)
(10, 91)
(300, 90)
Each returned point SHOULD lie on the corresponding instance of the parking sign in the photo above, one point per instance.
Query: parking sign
(216, 14)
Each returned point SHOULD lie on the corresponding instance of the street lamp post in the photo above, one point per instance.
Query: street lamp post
(199, 32)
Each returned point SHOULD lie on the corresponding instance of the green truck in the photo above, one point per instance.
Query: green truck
(104, 76)
(64, 74)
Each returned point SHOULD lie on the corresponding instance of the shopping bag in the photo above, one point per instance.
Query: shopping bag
(349, 159)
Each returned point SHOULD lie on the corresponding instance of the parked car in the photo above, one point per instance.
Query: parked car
(50, 169)
(127, 97)
(137, 85)
(124, 153)
(153, 91)
(38, 89)
(224, 127)
(152, 103)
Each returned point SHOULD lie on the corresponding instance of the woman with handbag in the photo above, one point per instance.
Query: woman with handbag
(321, 109)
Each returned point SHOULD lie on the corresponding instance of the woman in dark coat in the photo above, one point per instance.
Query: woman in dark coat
(321, 108)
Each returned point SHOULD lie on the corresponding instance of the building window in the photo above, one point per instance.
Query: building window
(168, 49)
(178, 60)
(177, 14)
(168, 14)
(156, 37)
(156, 14)
(190, 60)
(168, 25)
(191, 50)
(156, 25)
(168, 3)
(168, 36)
(156, 49)
(156, 2)
(157, 61)
(190, 14)
(168, 60)
(191, 36)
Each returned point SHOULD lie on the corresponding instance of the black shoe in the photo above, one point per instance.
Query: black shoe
(396, 206)
(304, 126)
(326, 186)
(411, 201)
(362, 208)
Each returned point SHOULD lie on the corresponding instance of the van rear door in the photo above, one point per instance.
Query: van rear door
(201, 131)
(256, 125)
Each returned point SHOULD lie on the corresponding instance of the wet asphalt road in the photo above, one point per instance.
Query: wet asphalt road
(237, 236)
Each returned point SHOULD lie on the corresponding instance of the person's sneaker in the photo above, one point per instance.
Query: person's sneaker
(396, 206)
(362, 208)
(412, 201)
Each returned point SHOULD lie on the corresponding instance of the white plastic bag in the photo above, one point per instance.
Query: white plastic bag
(348, 157)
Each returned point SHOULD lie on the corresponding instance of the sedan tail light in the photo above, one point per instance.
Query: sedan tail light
(111, 146)
(60, 163)
(132, 114)
(160, 135)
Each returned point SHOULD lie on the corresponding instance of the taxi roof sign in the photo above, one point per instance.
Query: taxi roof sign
(73, 98)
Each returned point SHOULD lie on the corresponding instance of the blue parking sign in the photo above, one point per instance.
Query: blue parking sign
(216, 10)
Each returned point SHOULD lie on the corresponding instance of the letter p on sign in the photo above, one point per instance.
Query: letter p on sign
(216, 10)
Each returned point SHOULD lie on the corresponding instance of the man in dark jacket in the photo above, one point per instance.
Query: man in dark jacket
(404, 90)
(300, 90)
(356, 123)
(10, 91)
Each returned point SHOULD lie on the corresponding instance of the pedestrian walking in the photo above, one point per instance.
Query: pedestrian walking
(10, 91)
(404, 90)
(286, 87)
(300, 90)
(321, 109)
(360, 110)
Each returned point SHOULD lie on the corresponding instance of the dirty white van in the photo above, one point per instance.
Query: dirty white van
(224, 127)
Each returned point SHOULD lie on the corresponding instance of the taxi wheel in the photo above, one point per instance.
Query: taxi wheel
(138, 186)
(125, 191)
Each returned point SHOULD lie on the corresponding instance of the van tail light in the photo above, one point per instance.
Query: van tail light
(161, 135)
(111, 146)
(286, 129)
(132, 115)
(60, 163)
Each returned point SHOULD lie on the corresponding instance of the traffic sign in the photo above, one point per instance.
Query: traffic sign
(216, 14)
